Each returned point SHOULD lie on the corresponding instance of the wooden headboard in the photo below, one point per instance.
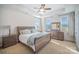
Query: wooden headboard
(19, 28)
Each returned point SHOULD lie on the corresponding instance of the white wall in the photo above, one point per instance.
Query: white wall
(55, 18)
(14, 17)
(77, 26)
(0, 15)
(72, 25)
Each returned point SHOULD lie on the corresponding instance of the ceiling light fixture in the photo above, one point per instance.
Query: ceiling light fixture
(41, 10)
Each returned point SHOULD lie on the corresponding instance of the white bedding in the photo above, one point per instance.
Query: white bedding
(29, 39)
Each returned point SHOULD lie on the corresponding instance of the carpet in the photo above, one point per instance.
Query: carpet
(53, 47)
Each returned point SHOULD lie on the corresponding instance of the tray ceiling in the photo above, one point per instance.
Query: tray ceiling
(55, 9)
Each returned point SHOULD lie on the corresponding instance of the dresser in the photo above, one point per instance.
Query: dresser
(56, 34)
(8, 41)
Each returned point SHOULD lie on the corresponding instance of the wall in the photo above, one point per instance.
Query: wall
(72, 25)
(14, 17)
(77, 27)
(55, 18)
(43, 24)
(0, 15)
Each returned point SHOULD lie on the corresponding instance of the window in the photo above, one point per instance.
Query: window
(48, 22)
(37, 24)
(64, 23)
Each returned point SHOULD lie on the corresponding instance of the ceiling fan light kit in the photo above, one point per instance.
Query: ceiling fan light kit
(42, 9)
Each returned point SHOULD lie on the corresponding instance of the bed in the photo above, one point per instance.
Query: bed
(34, 40)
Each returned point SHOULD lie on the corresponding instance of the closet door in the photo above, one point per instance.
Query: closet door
(77, 28)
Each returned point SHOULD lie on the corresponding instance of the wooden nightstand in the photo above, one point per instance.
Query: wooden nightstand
(9, 40)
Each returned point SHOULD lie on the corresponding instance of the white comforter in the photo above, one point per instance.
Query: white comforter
(29, 39)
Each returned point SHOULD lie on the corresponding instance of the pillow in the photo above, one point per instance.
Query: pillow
(25, 31)
(33, 30)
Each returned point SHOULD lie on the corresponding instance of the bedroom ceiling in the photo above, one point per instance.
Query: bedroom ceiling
(55, 9)
(31, 7)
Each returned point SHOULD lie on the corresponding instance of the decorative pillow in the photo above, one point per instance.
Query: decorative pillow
(25, 31)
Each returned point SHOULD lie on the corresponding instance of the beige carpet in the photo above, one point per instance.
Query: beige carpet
(53, 47)
(59, 47)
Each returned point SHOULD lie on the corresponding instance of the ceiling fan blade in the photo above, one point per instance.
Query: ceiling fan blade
(47, 8)
(42, 6)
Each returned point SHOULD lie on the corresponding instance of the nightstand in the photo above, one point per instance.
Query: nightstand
(9, 40)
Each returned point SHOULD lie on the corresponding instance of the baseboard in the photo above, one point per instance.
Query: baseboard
(70, 41)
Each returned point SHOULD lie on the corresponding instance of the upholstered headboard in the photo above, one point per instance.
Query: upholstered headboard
(19, 28)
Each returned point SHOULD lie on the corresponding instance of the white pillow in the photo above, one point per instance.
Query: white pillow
(25, 32)
(34, 30)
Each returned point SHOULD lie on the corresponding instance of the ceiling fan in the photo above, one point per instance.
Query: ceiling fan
(42, 8)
